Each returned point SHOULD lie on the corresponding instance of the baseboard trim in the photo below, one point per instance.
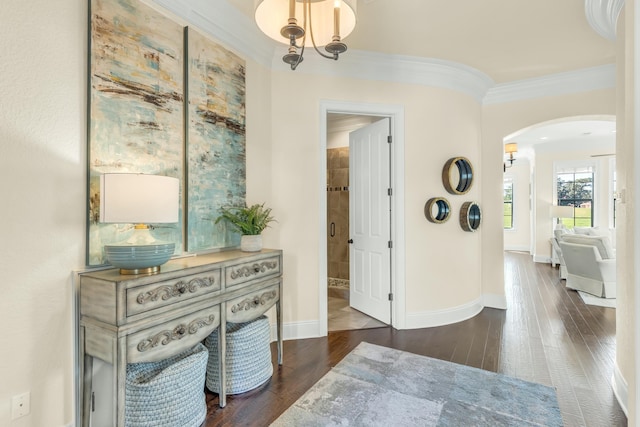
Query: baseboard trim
(495, 301)
(542, 259)
(297, 331)
(428, 319)
(620, 389)
(517, 248)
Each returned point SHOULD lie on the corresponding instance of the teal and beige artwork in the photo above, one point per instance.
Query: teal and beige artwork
(215, 141)
(136, 115)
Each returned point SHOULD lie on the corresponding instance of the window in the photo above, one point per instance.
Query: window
(575, 188)
(612, 167)
(508, 203)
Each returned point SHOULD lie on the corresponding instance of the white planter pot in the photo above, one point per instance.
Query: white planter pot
(251, 243)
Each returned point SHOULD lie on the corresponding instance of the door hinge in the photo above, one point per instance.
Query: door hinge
(390, 244)
(390, 296)
(389, 192)
(389, 139)
(93, 401)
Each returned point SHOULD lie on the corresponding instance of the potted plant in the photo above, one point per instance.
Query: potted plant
(249, 221)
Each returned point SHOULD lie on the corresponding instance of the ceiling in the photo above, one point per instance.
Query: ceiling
(597, 135)
(508, 40)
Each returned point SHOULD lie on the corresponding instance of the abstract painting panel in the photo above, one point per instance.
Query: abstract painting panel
(215, 141)
(136, 101)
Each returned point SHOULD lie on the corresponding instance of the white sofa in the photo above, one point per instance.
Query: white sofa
(590, 263)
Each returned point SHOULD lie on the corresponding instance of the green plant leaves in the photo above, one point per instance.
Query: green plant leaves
(247, 220)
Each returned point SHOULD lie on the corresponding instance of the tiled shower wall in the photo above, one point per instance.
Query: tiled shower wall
(338, 216)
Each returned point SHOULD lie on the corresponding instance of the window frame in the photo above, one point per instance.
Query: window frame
(572, 167)
(508, 179)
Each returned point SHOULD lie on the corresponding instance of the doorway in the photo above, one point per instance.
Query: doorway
(352, 304)
(396, 118)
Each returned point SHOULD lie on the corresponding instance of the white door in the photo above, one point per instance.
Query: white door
(370, 220)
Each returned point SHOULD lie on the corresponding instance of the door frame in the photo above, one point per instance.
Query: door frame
(396, 116)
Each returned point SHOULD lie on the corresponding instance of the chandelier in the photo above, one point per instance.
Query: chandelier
(291, 22)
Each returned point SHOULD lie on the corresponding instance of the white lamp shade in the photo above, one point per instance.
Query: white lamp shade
(272, 15)
(511, 147)
(561, 211)
(138, 198)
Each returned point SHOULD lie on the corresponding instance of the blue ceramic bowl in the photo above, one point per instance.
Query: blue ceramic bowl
(136, 257)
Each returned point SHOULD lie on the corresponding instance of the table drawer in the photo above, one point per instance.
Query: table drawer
(250, 270)
(172, 337)
(252, 305)
(155, 295)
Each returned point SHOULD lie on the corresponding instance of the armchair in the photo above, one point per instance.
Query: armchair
(587, 269)
(557, 258)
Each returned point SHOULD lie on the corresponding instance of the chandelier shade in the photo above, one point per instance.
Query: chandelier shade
(272, 15)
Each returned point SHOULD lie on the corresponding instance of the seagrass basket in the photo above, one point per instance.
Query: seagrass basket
(248, 356)
(167, 393)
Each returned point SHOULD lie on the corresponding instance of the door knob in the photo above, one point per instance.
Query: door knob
(350, 241)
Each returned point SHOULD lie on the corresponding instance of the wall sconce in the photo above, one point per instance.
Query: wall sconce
(510, 149)
(130, 198)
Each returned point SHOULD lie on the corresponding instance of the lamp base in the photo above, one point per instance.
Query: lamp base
(139, 259)
(148, 270)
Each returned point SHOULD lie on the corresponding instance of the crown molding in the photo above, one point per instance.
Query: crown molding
(364, 65)
(602, 15)
(232, 28)
(225, 24)
(584, 80)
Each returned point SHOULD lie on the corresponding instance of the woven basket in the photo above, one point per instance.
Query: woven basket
(168, 393)
(248, 356)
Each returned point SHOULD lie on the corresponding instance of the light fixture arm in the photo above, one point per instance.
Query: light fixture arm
(330, 19)
(307, 15)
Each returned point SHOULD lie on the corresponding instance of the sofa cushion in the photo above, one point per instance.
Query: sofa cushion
(559, 232)
(582, 230)
(602, 243)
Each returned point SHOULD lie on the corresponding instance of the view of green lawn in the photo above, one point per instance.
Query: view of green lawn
(508, 220)
(582, 219)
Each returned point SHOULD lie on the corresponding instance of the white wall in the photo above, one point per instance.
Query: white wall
(439, 124)
(519, 237)
(42, 167)
(627, 262)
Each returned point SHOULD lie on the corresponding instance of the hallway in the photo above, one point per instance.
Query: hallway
(547, 335)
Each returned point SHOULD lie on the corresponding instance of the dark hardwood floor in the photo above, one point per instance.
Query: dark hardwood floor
(547, 335)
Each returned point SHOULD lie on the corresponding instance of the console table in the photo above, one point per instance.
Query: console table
(145, 318)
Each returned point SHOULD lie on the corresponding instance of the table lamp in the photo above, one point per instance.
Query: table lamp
(561, 212)
(131, 198)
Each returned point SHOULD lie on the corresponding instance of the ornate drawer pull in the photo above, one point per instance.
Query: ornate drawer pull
(246, 271)
(179, 332)
(169, 291)
(251, 303)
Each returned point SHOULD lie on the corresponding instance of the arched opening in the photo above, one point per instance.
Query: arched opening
(530, 181)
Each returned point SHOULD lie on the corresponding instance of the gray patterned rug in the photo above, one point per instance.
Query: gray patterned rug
(380, 386)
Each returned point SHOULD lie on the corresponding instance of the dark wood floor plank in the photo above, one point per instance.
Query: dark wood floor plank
(547, 335)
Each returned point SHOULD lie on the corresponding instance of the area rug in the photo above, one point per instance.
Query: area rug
(594, 300)
(379, 386)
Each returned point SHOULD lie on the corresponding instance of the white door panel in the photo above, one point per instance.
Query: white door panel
(369, 181)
